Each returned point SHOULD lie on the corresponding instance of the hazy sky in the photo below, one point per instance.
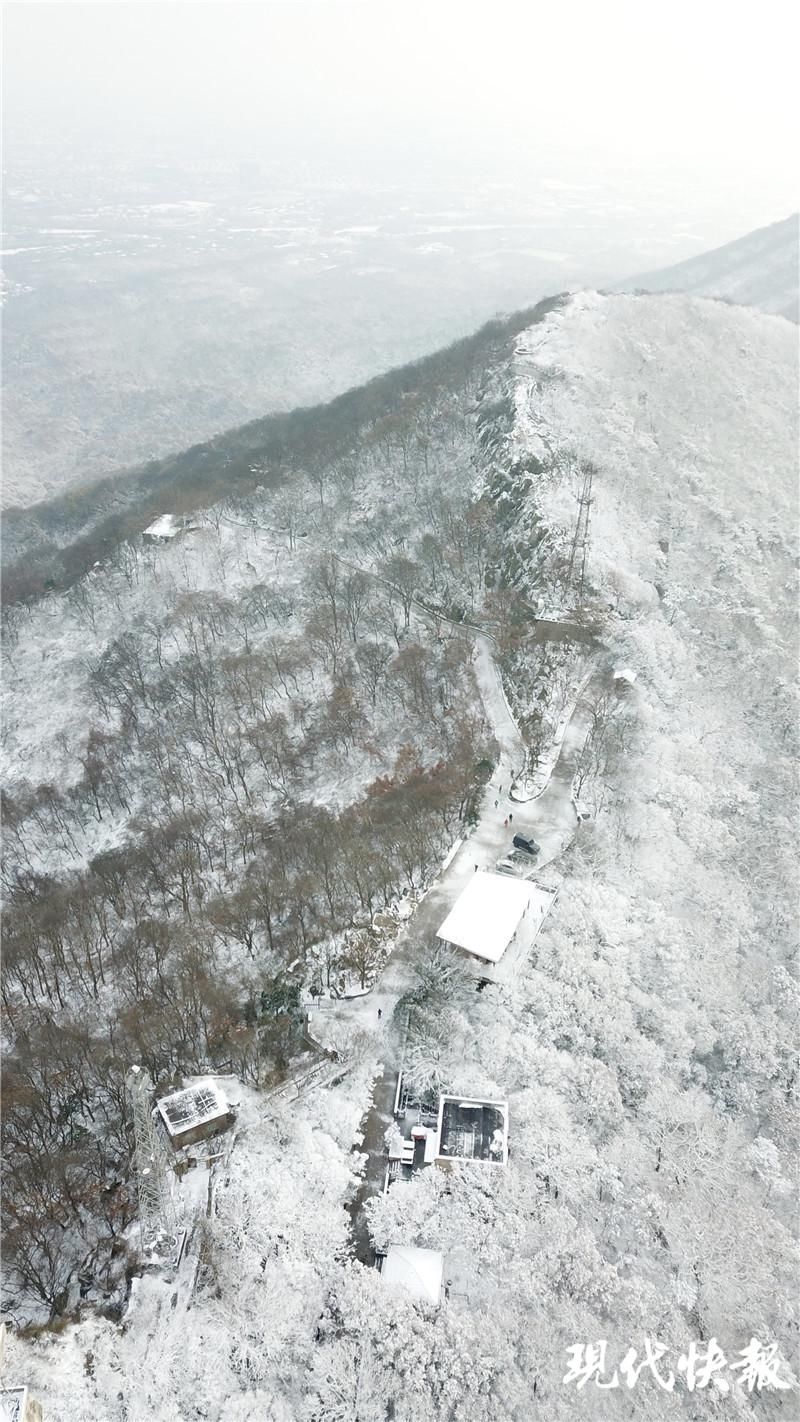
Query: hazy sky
(706, 86)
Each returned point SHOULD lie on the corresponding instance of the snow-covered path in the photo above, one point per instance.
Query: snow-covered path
(506, 731)
(551, 820)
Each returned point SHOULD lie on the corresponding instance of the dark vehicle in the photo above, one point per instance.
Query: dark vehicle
(529, 845)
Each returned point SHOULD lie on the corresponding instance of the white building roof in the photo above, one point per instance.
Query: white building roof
(167, 526)
(417, 1271)
(192, 1107)
(487, 913)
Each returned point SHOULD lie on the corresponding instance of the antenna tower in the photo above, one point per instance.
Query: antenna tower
(157, 1218)
(580, 541)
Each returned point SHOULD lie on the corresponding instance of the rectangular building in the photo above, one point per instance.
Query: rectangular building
(195, 1113)
(495, 920)
(472, 1130)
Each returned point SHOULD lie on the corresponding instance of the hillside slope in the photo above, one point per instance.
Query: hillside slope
(761, 270)
(54, 543)
(648, 1050)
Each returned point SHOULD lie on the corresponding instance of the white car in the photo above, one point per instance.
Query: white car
(506, 866)
(516, 863)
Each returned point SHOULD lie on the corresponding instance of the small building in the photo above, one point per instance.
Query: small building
(167, 527)
(163, 529)
(472, 1130)
(495, 920)
(624, 677)
(416, 1272)
(194, 1114)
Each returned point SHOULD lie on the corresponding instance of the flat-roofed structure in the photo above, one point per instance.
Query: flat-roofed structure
(472, 1130)
(417, 1272)
(492, 914)
(194, 1114)
(162, 529)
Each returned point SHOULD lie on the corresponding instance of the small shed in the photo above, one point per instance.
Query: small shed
(162, 529)
(624, 677)
(194, 1114)
(168, 526)
(416, 1272)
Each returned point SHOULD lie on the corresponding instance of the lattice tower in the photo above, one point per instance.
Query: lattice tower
(157, 1217)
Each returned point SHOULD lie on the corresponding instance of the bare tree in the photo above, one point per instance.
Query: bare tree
(325, 583)
(356, 595)
(403, 576)
(373, 659)
(287, 511)
(324, 636)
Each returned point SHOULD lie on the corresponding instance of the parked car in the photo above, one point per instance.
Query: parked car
(516, 862)
(522, 841)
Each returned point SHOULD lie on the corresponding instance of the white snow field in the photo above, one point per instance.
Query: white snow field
(647, 1052)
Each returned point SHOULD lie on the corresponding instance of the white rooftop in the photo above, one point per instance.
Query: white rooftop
(417, 1271)
(167, 526)
(487, 913)
(194, 1106)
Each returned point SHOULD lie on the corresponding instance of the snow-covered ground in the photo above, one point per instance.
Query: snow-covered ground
(648, 1052)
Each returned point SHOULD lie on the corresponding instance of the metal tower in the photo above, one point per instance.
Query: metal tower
(580, 542)
(157, 1216)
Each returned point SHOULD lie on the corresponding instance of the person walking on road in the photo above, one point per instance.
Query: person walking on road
(380, 1014)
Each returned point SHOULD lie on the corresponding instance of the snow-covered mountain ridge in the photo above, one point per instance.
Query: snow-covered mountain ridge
(647, 1053)
(686, 409)
(666, 385)
(761, 269)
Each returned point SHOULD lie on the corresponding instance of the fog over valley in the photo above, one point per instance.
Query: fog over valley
(212, 211)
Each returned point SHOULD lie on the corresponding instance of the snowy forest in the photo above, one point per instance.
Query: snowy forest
(240, 745)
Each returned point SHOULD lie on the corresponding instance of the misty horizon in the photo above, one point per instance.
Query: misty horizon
(213, 211)
(679, 92)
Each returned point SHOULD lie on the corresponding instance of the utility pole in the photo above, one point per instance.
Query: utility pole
(158, 1220)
